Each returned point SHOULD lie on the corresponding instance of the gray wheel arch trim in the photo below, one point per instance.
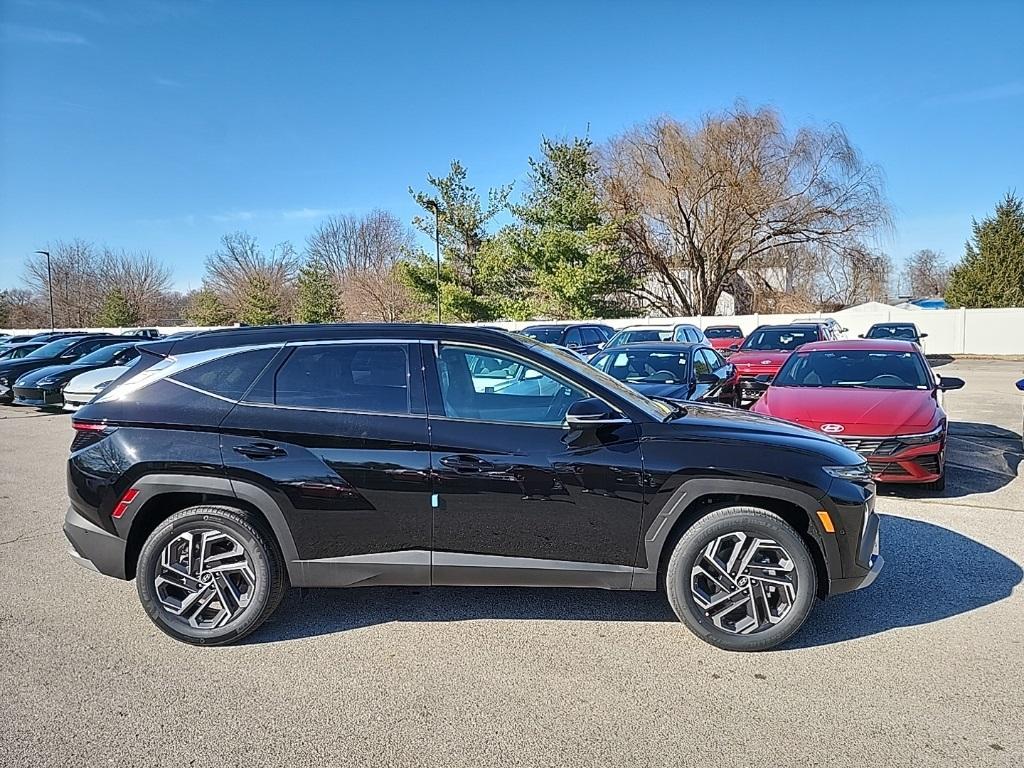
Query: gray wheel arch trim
(645, 576)
(151, 486)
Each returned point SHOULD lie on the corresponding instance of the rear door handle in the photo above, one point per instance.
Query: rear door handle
(466, 463)
(260, 450)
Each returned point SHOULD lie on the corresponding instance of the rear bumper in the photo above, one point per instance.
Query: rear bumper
(93, 547)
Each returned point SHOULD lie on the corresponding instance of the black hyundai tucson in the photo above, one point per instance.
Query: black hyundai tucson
(226, 466)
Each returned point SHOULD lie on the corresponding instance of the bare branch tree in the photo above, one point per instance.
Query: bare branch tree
(700, 203)
(77, 287)
(240, 263)
(362, 253)
(142, 279)
(925, 274)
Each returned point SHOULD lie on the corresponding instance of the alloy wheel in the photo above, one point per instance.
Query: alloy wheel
(205, 577)
(744, 583)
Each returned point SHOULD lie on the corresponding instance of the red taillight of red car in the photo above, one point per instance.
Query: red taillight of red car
(122, 505)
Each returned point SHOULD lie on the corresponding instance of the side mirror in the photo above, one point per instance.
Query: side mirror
(591, 412)
(1020, 385)
(947, 383)
(861, 336)
(844, 330)
(734, 347)
(707, 378)
(921, 335)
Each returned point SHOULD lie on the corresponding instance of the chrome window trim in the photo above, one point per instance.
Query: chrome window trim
(330, 410)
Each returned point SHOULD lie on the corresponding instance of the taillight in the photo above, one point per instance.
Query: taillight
(88, 433)
(122, 505)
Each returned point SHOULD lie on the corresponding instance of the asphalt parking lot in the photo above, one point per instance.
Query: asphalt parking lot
(924, 668)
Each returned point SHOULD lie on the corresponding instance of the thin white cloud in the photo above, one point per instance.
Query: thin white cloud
(988, 93)
(233, 216)
(24, 34)
(168, 82)
(306, 213)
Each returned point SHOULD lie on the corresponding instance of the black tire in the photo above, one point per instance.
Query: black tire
(261, 555)
(750, 521)
(936, 485)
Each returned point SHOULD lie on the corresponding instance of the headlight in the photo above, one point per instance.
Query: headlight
(101, 385)
(855, 472)
(4, 381)
(925, 437)
(47, 380)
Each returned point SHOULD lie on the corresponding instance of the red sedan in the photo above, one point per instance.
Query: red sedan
(880, 398)
(764, 351)
(722, 337)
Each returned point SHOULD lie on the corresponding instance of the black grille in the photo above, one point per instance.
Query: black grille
(873, 446)
(747, 389)
(85, 438)
(887, 468)
(929, 464)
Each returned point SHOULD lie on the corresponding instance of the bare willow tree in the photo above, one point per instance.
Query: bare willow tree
(925, 274)
(362, 253)
(141, 279)
(77, 289)
(240, 268)
(699, 203)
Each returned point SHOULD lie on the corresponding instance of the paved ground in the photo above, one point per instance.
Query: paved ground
(925, 668)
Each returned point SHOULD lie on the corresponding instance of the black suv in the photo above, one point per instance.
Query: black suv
(225, 466)
(584, 338)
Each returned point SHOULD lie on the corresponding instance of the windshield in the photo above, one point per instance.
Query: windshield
(723, 332)
(639, 335)
(654, 408)
(549, 335)
(779, 338)
(645, 366)
(855, 368)
(54, 348)
(104, 354)
(893, 332)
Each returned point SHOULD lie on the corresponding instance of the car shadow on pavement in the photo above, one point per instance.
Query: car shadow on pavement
(980, 458)
(922, 582)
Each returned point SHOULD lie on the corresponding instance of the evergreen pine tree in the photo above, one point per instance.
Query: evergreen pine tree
(116, 311)
(206, 309)
(992, 271)
(261, 303)
(318, 300)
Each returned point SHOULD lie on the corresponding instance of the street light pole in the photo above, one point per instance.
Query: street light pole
(49, 284)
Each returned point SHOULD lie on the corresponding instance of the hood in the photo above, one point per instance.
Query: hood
(62, 372)
(91, 380)
(675, 391)
(12, 369)
(723, 423)
(760, 360)
(859, 412)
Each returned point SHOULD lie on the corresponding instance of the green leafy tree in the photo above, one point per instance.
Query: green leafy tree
(454, 209)
(566, 243)
(991, 273)
(260, 303)
(318, 300)
(205, 308)
(117, 311)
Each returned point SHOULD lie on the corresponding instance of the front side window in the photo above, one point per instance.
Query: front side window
(492, 386)
(572, 338)
(592, 337)
(368, 378)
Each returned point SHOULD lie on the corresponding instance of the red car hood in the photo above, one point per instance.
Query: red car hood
(724, 343)
(759, 362)
(860, 412)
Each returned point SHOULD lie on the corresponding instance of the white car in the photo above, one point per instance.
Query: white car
(84, 387)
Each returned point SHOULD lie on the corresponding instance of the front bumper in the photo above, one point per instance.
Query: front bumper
(93, 547)
(892, 462)
(75, 400)
(5, 394)
(869, 561)
(40, 397)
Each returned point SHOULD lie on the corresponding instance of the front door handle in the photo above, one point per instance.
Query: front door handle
(466, 463)
(260, 450)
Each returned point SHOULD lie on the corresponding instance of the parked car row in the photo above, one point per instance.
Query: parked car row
(878, 396)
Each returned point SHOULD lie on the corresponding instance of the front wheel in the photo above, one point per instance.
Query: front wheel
(210, 575)
(742, 579)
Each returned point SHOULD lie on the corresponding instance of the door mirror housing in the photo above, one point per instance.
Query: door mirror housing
(861, 336)
(707, 378)
(921, 335)
(734, 347)
(1020, 385)
(947, 383)
(591, 412)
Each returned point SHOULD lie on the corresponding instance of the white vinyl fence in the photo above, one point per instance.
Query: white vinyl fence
(988, 332)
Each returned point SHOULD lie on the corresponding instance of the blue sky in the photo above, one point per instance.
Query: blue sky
(161, 125)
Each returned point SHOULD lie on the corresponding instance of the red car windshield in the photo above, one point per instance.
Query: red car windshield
(855, 368)
(723, 332)
(785, 339)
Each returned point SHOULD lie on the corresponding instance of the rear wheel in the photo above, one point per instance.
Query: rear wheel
(210, 575)
(742, 579)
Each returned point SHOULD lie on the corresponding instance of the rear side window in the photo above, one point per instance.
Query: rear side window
(572, 338)
(228, 376)
(370, 378)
